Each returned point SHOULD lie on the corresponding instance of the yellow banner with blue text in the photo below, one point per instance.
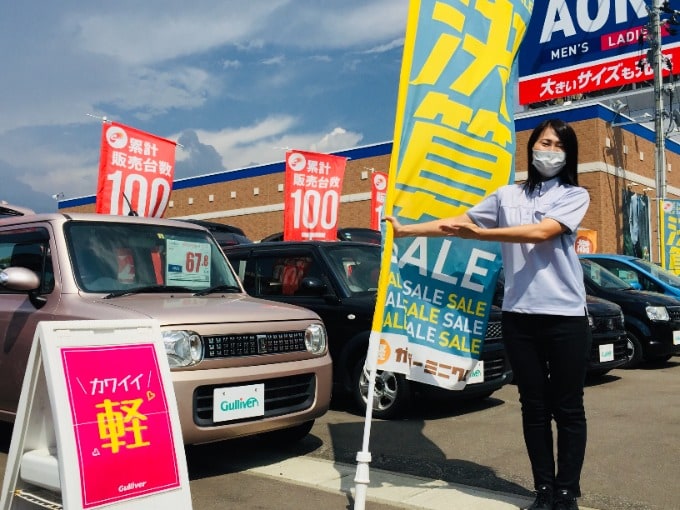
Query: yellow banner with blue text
(454, 143)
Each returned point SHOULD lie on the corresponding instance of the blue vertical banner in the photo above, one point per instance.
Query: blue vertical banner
(454, 143)
(670, 235)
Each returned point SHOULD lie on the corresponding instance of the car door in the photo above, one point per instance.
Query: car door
(19, 313)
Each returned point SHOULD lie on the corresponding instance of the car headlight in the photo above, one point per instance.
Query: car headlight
(657, 313)
(183, 348)
(315, 339)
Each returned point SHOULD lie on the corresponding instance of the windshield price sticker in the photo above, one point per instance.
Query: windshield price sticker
(188, 263)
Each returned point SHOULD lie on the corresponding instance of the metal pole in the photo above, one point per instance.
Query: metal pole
(659, 159)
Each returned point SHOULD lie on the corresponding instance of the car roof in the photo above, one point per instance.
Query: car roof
(607, 256)
(288, 244)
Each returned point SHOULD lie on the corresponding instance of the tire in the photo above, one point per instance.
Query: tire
(392, 395)
(633, 352)
(284, 437)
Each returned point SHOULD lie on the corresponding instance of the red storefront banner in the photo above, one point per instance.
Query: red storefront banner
(136, 171)
(313, 187)
(597, 76)
(378, 191)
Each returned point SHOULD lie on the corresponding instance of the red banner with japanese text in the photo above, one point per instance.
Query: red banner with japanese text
(313, 186)
(378, 191)
(136, 171)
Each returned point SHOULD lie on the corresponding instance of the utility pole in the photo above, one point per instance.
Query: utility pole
(657, 66)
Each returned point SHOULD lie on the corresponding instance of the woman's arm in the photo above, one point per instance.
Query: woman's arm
(435, 228)
(530, 233)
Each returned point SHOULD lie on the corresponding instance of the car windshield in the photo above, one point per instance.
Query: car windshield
(658, 272)
(597, 276)
(120, 258)
(357, 265)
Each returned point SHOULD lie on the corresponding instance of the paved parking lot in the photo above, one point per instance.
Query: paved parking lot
(631, 462)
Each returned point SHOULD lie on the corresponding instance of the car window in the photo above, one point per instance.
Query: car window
(110, 257)
(600, 277)
(268, 275)
(622, 270)
(29, 249)
(357, 265)
(658, 272)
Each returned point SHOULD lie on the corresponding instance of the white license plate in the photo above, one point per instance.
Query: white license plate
(477, 374)
(607, 352)
(676, 337)
(238, 402)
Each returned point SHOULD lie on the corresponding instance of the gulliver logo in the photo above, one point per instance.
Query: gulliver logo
(116, 137)
(237, 405)
(297, 161)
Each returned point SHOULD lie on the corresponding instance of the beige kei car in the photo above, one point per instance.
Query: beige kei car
(91, 266)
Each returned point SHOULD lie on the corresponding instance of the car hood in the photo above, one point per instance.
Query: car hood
(599, 306)
(639, 296)
(187, 309)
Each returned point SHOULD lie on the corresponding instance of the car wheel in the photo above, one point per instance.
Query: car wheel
(633, 352)
(392, 394)
(283, 437)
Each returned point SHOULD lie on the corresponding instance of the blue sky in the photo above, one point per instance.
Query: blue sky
(235, 82)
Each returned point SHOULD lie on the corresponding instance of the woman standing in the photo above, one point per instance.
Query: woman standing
(545, 324)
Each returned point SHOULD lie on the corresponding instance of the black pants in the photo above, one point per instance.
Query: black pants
(549, 355)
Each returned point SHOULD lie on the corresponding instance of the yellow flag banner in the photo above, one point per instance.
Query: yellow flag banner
(454, 143)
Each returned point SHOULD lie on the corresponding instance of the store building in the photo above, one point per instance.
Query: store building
(617, 155)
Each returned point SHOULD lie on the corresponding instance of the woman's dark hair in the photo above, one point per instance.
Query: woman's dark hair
(566, 134)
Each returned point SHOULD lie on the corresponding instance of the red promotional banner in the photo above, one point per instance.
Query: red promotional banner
(136, 171)
(312, 195)
(121, 423)
(378, 191)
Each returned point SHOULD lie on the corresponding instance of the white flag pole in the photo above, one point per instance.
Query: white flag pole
(361, 479)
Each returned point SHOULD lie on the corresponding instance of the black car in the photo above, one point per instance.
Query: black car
(338, 280)
(610, 347)
(652, 320)
(225, 235)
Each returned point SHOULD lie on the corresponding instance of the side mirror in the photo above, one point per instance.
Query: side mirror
(19, 278)
(312, 286)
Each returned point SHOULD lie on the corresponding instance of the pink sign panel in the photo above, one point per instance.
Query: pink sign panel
(121, 422)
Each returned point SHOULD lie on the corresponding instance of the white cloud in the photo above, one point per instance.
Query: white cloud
(268, 140)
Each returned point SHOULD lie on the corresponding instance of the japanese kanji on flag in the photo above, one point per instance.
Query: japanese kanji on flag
(136, 170)
(378, 191)
(313, 187)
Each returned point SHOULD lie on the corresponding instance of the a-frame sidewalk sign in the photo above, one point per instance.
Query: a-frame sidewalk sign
(97, 423)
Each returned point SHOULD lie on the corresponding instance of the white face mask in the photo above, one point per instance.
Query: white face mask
(549, 163)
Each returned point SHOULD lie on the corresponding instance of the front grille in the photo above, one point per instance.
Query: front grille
(620, 345)
(283, 395)
(674, 312)
(232, 346)
(493, 368)
(607, 323)
(494, 333)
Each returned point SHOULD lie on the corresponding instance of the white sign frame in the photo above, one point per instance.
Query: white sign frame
(43, 437)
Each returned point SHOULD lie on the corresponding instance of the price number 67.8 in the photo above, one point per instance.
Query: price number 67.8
(195, 260)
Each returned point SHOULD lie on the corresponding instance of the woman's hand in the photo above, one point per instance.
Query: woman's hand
(396, 226)
(464, 231)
